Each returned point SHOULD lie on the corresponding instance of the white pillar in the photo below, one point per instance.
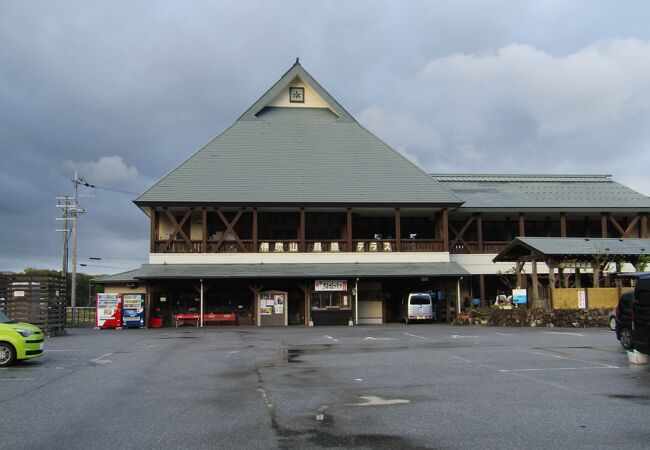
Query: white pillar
(356, 302)
(458, 296)
(201, 302)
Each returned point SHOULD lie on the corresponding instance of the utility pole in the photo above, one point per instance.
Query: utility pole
(71, 211)
(73, 282)
(65, 204)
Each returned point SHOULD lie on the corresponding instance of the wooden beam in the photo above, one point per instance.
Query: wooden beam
(398, 230)
(445, 230)
(522, 225)
(461, 233)
(178, 228)
(301, 231)
(479, 231)
(644, 225)
(154, 235)
(618, 227)
(348, 230)
(254, 229)
(204, 228)
(632, 226)
(230, 228)
(603, 225)
(562, 224)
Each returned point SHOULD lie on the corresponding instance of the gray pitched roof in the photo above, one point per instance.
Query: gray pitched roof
(526, 192)
(288, 156)
(327, 270)
(123, 277)
(573, 247)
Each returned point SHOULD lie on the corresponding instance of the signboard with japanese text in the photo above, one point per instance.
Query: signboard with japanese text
(330, 285)
(519, 297)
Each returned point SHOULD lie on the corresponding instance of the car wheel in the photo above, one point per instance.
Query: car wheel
(612, 323)
(7, 354)
(626, 338)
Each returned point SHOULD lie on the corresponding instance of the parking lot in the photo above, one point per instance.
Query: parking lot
(392, 386)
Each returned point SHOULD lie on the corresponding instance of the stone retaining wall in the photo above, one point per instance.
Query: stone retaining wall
(572, 318)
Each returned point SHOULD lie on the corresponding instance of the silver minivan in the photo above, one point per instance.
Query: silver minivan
(417, 306)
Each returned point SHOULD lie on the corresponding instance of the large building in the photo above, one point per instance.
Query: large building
(296, 214)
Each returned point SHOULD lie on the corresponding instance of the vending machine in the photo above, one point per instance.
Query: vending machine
(109, 311)
(133, 310)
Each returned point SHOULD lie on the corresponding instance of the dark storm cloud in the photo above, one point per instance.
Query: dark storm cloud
(125, 91)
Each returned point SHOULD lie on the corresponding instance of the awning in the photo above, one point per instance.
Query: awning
(279, 270)
(573, 248)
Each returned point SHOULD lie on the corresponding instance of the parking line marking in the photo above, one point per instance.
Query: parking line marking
(558, 368)
(564, 332)
(370, 338)
(501, 334)
(330, 338)
(416, 336)
(576, 359)
(462, 359)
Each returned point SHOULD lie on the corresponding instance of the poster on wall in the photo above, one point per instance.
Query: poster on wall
(582, 300)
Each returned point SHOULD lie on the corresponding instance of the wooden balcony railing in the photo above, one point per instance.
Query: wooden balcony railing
(473, 247)
(310, 246)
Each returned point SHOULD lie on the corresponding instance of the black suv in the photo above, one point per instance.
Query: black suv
(641, 315)
(624, 320)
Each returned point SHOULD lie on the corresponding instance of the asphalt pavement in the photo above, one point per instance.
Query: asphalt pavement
(390, 386)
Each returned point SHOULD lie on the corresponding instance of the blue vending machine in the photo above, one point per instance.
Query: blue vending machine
(132, 310)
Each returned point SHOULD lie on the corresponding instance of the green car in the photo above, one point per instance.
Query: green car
(19, 341)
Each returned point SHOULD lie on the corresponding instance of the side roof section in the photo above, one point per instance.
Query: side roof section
(492, 192)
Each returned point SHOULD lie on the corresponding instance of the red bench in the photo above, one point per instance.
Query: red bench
(228, 318)
(187, 318)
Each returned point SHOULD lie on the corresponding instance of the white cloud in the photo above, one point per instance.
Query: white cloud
(398, 129)
(106, 170)
(598, 85)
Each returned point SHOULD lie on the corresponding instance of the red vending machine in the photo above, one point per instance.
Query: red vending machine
(109, 311)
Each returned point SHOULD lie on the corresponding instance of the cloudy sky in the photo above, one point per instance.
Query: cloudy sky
(124, 91)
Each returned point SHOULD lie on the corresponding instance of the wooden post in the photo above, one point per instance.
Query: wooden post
(522, 225)
(563, 225)
(154, 234)
(479, 231)
(204, 221)
(255, 249)
(398, 230)
(348, 219)
(301, 232)
(603, 225)
(551, 274)
(535, 288)
(596, 269)
(445, 230)
(644, 226)
(481, 287)
(577, 278)
(518, 267)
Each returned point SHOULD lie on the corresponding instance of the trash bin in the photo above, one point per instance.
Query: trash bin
(155, 322)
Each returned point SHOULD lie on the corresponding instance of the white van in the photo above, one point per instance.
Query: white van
(417, 306)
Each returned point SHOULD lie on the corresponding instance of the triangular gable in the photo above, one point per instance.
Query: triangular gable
(295, 76)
